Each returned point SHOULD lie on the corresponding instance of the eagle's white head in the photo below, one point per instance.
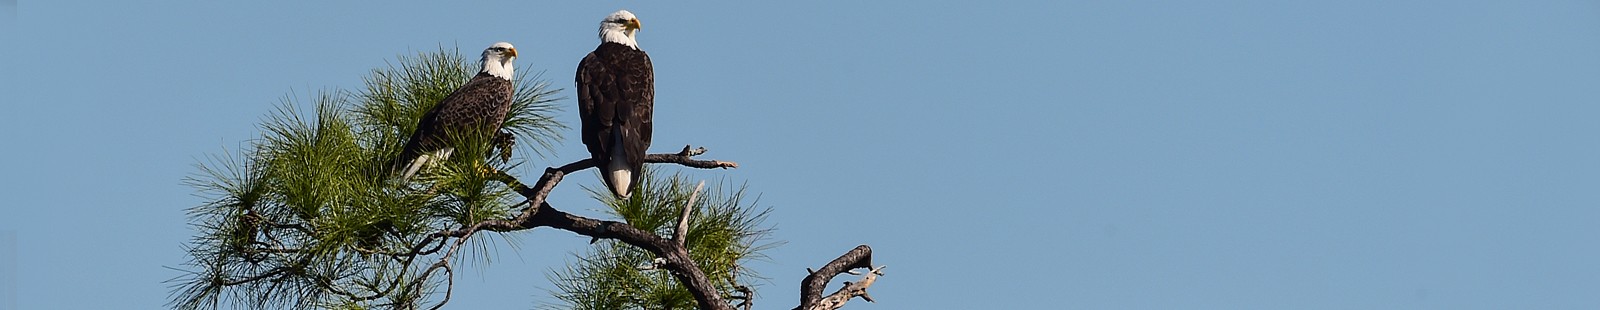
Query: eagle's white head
(497, 60)
(619, 28)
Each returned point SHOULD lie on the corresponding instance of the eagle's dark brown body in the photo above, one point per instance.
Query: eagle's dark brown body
(616, 95)
(475, 108)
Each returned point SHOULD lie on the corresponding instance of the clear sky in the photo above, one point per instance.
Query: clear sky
(1018, 155)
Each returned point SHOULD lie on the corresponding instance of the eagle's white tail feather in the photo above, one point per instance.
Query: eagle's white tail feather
(621, 177)
(425, 160)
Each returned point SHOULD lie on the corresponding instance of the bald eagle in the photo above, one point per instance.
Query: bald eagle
(616, 93)
(475, 108)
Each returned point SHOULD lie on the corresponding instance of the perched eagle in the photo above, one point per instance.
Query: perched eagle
(476, 108)
(616, 92)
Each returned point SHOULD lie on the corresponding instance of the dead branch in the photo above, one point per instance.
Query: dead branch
(850, 290)
(811, 288)
(682, 230)
(685, 158)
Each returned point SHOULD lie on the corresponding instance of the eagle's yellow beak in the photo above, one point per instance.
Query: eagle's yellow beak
(511, 52)
(633, 24)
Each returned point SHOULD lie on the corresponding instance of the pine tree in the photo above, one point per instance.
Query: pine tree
(309, 214)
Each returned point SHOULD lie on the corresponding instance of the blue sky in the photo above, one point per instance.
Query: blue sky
(1033, 155)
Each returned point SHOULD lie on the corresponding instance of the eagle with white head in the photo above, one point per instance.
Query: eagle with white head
(478, 107)
(616, 96)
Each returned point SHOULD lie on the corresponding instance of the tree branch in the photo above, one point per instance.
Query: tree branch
(541, 214)
(682, 230)
(811, 288)
(676, 256)
(685, 158)
(850, 290)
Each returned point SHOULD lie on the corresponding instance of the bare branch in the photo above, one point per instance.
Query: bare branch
(811, 288)
(850, 290)
(685, 158)
(683, 222)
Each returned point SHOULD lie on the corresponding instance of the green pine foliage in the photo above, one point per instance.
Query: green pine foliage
(310, 214)
(725, 232)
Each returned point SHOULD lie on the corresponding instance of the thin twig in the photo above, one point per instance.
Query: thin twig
(450, 286)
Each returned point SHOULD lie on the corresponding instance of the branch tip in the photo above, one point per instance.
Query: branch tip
(688, 208)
